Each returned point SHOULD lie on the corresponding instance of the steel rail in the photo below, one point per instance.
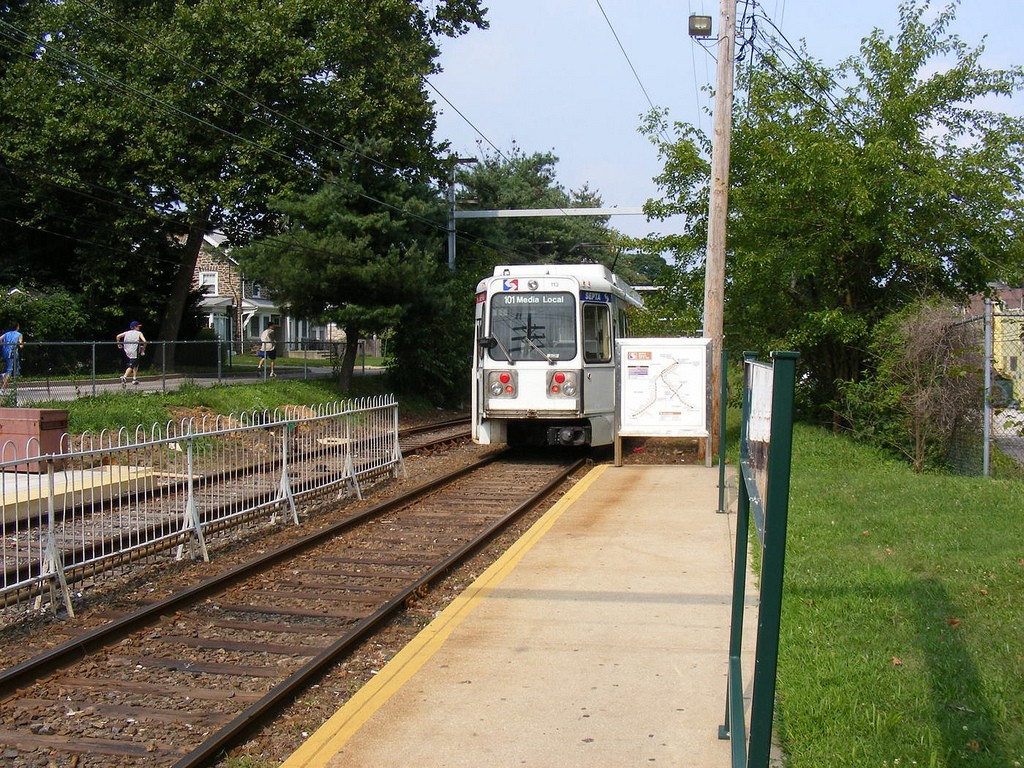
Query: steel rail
(431, 427)
(231, 734)
(70, 651)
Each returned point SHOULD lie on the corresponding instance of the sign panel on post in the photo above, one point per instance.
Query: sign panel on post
(664, 387)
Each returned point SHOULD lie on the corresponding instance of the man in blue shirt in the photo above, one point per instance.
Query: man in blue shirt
(10, 349)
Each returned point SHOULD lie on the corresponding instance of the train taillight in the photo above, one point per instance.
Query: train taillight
(563, 384)
(502, 383)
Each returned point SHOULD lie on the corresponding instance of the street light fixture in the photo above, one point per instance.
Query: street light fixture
(699, 26)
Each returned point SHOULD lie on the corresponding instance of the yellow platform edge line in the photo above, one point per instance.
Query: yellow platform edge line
(321, 747)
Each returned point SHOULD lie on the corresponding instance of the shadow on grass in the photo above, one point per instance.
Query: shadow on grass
(962, 715)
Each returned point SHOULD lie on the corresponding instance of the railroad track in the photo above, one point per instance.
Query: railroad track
(428, 436)
(179, 682)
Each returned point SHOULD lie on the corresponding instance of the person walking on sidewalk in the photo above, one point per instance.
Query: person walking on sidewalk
(133, 344)
(11, 344)
(268, 349)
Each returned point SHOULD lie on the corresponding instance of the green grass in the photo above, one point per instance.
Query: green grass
(903, 619)
(129, 409)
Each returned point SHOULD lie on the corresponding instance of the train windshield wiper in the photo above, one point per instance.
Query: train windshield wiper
(550, 358)
(493, 341)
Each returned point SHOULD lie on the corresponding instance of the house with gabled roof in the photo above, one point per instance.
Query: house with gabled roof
(1007, 338)
(238, 310)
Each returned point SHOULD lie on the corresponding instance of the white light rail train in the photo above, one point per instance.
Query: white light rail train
(545, 367)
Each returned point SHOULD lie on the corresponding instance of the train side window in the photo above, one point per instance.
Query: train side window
(597, 334)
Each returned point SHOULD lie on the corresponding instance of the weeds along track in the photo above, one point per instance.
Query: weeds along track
(180, 681)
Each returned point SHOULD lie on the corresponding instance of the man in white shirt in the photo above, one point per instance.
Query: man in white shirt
(268, 346)
(133, 344)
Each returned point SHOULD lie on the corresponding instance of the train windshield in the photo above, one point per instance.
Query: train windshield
(533, 326)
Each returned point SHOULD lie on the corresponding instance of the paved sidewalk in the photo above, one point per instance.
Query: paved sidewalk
(600, 639)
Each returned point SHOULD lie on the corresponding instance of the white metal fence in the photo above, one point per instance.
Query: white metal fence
(109, 500)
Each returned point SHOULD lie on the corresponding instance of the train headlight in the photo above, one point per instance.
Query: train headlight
(502, 383)
(563, 384)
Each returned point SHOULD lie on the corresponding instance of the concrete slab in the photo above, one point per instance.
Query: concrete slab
(600, 639)
(25, 495)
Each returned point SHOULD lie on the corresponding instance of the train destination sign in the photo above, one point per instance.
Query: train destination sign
(517, 299)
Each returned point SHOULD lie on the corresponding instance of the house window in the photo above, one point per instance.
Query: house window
(208, 283)
(257, 291)
(1013, 363)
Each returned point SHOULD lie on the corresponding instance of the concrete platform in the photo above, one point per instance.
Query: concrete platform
(600, 639)
(25, 495)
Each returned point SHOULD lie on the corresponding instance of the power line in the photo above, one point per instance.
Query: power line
(469, 122)
(630, 63)
(20, 37)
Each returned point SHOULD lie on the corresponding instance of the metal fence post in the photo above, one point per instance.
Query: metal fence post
(734, 727)
(53, 562)
(190, 516)
(987, 408)
(284, 492)
(773, 559)
(721, 435)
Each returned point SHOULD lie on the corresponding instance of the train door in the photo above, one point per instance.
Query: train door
(477, 394)
(598, 362)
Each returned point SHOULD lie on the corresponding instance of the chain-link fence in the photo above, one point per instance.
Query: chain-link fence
(1001, 337)
(64, 371)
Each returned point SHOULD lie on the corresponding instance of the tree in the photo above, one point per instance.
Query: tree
(850, 201)
(521, 181)
(158, 122)
(363, 251)
(44, 316)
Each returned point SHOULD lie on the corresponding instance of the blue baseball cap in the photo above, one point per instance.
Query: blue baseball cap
(134, 324)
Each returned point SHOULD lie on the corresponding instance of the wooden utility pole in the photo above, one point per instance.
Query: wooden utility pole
(714, 269)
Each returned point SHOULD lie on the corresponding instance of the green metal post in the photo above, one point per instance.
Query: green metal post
(724, 393)
(773, 559)
(734, 727)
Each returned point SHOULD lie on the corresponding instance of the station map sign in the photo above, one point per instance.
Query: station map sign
(664, 387)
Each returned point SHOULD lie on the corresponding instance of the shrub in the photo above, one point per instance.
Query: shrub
(926, 387)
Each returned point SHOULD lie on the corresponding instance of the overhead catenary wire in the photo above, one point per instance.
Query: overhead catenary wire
(134, 206)
(636, 75)
(486, 139)
(468, 122)
(20, 36)
(256, 103)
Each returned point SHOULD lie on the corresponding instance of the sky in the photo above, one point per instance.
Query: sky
(573, 77)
